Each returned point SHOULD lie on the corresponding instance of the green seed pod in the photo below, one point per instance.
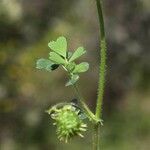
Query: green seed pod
(67, 122)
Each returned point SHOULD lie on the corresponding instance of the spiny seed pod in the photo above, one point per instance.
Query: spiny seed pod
(68, 122)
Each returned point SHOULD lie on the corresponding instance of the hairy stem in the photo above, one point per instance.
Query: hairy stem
(101, 84)
(102, 73)
(96, 137)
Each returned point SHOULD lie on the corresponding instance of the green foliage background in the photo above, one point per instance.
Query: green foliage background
(25, 93)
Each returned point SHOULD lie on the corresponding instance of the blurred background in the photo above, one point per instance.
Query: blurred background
(26, 27)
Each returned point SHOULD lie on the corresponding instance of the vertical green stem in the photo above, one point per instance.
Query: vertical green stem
(96, 137)
(102, 73)
(101, 83)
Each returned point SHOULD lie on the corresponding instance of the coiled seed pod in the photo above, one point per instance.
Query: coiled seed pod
(67, 122)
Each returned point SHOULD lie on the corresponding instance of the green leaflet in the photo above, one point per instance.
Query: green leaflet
(59, 46)
(79, 52)
(56, 58)
(46, 64)
(73, 80)
(82, 67)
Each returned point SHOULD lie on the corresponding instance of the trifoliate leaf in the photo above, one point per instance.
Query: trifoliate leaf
(59, 46)
(46, 64)
(79, 52)
(56, 58)
(73, 80)
(82, 67)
